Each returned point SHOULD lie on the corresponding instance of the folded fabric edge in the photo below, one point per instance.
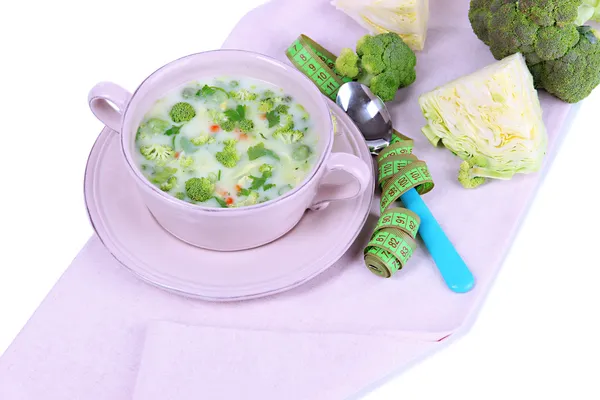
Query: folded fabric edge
(361, 362)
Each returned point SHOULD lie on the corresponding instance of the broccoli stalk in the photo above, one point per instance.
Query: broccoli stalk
(466, 178)
(383, 62)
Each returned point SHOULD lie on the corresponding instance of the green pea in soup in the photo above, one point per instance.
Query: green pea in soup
(226, 143)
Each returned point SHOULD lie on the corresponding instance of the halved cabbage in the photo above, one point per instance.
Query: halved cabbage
(407, 18)
(492, 119)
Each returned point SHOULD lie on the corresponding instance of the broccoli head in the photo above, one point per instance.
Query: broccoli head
(229, 156)
(186, 162)
(383, 62)
(282, 109)
(265, 168)
(202, 140)
(182, 112)
(180, 195)
(562, 56)
(347, 63)
(266, 105)
(153, 126)
(199, 189)
(246, 126)
(243, 95)
(228, 126)
(158, 153)
(291, 136)
(169, 184)
(250, 200)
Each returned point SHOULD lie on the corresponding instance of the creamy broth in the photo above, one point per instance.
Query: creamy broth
(227, 142)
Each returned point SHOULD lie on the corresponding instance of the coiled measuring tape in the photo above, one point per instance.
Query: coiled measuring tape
(394, 240)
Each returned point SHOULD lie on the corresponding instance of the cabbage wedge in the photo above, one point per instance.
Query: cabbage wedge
(407, 18)
(492, 119)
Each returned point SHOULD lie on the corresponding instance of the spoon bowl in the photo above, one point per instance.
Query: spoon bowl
(368, 112)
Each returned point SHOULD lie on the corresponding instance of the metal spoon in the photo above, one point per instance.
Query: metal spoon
(374, 121)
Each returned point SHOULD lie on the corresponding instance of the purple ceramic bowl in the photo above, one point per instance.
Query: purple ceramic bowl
(228, 229)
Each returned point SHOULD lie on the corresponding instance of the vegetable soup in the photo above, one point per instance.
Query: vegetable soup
(226, 143)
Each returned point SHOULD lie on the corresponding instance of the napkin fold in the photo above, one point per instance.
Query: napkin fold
(180, 362)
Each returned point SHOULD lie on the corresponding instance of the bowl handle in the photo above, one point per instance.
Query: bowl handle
(350, 164)
(108, 102)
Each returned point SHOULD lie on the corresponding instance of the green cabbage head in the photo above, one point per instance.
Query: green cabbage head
(492, 119)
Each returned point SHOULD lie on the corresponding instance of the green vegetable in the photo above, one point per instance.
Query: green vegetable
(268, 94)
(174, 130)
(243, 95)
(250, 200)
(221, 202)
(301, 153)
(219, 176)
(266, 105)
(217, 116)
(202, 140)
(589, 10)
(273, 118)
(383, 62)
(180, 195)
(246, 126)
(563, 57)
(169, 184)
(259, 150)
(162, 175)
(186, 162)
(265, 168)
(182, 112)
(245, 192)
(158, 153)
(282, 109)
(229, 156)
(187, 146)
(199, 189)
(407, 18)
(188, 93)
(491, 118)
(209, 91)
(237, 114)
(289, 136)
(268, 186)
(258, 182)
(228, 126)
(153, 126)
(234, 84)
(466, 178)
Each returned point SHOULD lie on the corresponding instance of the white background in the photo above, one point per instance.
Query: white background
(538, 334)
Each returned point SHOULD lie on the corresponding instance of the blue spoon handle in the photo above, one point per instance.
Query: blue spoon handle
(453, 269)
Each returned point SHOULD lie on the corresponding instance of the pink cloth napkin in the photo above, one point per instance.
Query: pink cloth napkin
(103, 334)
(179, 363)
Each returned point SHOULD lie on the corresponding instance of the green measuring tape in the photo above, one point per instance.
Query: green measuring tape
(393, 242)
(318, 64)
